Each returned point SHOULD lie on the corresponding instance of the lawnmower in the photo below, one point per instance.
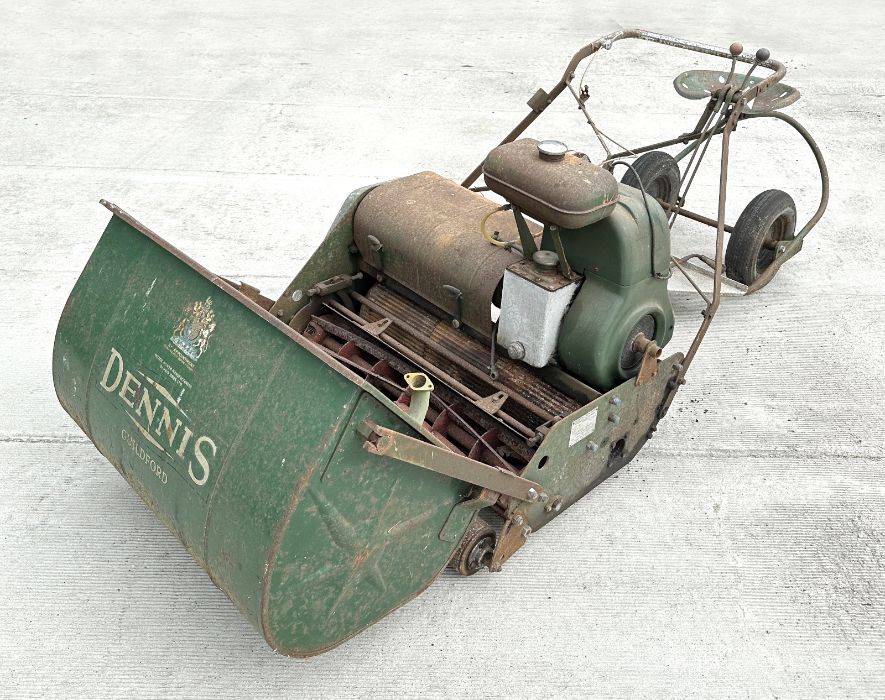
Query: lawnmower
(453, 367)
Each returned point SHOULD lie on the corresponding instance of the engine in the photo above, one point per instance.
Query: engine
(569, 272)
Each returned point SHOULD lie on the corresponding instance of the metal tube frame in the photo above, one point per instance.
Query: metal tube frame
(734, 106)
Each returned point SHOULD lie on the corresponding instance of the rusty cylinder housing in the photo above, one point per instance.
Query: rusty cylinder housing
(429, 230)
(567, 191)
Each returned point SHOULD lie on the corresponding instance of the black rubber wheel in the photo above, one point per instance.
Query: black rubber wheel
(659, 174)
(766, 221)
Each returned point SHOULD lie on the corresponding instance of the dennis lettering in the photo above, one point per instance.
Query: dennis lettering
(159, 418)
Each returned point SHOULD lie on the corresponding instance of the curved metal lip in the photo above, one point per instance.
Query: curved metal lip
(552, 207)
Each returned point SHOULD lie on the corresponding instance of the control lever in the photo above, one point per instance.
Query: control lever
(736, 49)
(762, 55)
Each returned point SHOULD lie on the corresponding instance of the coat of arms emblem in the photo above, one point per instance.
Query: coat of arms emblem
(193, 330)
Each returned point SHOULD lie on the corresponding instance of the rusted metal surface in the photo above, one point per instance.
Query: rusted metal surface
(700, 218)
(390, 443)
(420, 222)
(539, 105)
(493, 403)
(428, 333)
(650, 354)
(252, 293)
(569, 192)
(432, 369)
(513, 536)
(428, 341)
(475, 550)
(457, 424)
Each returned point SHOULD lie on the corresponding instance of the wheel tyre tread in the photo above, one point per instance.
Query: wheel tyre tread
(652, 166)
(750, 230)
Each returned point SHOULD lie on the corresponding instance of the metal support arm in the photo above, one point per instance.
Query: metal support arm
(390, 443)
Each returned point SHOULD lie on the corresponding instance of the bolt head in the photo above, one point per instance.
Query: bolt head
(532, 494)
(297, 295)
(614, 419)
(615, 401)
(516, 350)
(554, 506)
(526, 531)
(384, 442)
(518, 520)
(592, 446)
(544, 497)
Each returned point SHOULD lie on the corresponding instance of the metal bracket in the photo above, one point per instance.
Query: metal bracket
(784, 251)
(650, 354)
(458, 296)
(529, 247)
(492, 404)
(376, 328)
(333, 285)
(454, 526)
(389, 443)
(539, 101)
(493, 364)
(376, 247)
(513, 536)
(564, 266)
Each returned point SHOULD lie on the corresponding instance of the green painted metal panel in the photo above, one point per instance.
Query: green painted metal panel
(224, 421)
(381, 521)
(615, 255)
(590, 445)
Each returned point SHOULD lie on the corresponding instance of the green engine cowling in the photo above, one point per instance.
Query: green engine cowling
(624, 290)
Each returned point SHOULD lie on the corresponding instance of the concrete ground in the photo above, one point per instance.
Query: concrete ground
(741, 554)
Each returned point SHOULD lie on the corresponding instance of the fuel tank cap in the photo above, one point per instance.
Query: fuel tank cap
(545, 260)
(552, 150)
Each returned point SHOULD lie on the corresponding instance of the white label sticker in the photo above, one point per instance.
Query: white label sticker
(582, 427)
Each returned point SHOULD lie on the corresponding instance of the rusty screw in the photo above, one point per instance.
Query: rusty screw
(554, 506)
